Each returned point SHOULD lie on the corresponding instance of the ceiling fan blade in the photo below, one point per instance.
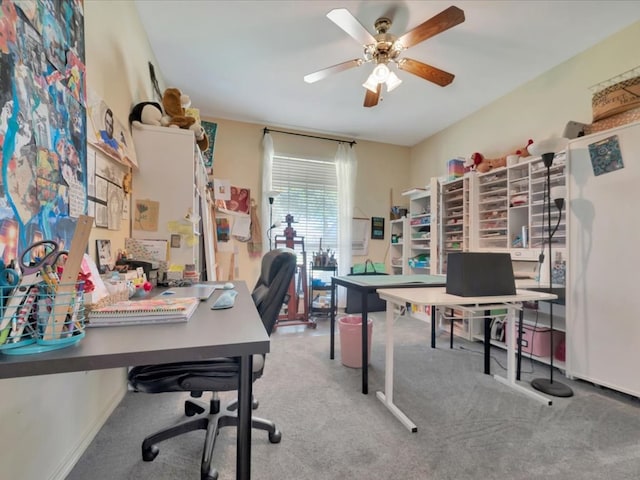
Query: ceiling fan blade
(347, 22)
(432, 74)
(370, 98)
(325, 72)
(446, 19)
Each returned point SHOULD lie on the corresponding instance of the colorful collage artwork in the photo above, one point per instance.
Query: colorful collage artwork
(42, 122)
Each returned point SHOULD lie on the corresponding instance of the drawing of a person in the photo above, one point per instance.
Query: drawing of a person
(106, 140)
(107, 134)
(243, 200)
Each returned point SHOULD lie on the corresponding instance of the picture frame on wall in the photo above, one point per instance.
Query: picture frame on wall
(105, 257)
(377, 228)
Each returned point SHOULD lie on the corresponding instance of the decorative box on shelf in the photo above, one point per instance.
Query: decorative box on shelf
(455, 168)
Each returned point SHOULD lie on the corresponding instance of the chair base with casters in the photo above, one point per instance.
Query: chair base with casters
(218, 374)
(212, 422)
(193, 407)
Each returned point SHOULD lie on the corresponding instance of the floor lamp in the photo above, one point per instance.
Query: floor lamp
(547, 150)
(271, 195)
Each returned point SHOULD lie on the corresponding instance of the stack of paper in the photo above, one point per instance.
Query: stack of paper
(151, 310)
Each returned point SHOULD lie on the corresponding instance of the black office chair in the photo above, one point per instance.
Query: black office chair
(218, 374)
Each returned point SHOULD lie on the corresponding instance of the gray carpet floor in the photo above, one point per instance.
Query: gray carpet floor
(469, 425)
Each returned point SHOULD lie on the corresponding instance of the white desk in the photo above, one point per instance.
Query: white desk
(436, 297)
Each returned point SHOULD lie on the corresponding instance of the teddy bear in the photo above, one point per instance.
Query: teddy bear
(202, 140)
(483, 165)
(174, 111)
(147, 113)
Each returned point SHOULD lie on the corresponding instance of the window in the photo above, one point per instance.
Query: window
(309, 192)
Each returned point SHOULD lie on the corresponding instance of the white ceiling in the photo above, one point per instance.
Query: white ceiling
(245, 60)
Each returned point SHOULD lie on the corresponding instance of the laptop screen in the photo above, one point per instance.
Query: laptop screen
(476, 274)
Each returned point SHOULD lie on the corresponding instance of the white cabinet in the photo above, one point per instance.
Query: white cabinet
(172, 173)
(603, 337)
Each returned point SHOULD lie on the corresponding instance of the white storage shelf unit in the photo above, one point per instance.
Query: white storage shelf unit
(509, 206)
(398, 253)
(172, 173)
(421, 243)
(503, 211)
(455, 228)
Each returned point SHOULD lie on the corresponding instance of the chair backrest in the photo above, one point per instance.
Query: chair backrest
(270, 292)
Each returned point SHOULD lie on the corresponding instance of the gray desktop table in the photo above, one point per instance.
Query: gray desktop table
(236, 332)
(366, 284)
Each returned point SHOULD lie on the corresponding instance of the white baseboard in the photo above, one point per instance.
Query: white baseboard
(70, 460)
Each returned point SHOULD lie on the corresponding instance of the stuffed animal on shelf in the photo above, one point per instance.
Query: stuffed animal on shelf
(174, 111)
(147, 113)
(202, 140)
(483, 165)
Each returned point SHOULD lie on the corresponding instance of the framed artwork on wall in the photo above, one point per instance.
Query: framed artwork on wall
(105, 257)
(377, 228)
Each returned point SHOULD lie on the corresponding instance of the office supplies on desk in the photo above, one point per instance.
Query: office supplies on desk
(152, 310)
(69, 276)
(26, 333)
(200, 290)
(9, 278)
(226, 300)
(32, 262)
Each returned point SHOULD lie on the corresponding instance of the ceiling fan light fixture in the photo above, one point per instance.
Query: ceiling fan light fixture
(393, 81)
(381, 73)
(371, 84)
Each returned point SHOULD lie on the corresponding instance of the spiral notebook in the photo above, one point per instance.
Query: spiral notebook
(145, 311)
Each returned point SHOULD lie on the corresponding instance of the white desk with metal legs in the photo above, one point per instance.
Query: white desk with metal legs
(437, 297)
(235, 332)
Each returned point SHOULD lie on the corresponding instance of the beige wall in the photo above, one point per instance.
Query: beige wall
(117, 72)
(48, 421)
(537, 110)
(238, 156)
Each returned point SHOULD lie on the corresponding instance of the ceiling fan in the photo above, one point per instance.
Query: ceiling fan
(384, 49)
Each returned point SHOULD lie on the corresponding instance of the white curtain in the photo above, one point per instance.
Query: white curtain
(267, 170)
(346, 170)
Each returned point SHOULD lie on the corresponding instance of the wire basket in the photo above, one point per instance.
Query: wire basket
(18, 328)
(46, 320)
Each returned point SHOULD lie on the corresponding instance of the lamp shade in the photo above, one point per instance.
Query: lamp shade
(371, 84)
(550, 145)
(381, 73)
(272, 193)
(392, 81)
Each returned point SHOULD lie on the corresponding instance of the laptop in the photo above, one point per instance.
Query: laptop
(476, 274)
(198, 290)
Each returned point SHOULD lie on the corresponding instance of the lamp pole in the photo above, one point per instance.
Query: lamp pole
(270, 219)
(545, 385)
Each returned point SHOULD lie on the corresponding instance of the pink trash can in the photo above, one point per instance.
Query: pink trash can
(350, 329)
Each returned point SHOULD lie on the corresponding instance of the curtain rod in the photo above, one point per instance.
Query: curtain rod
(267, 130)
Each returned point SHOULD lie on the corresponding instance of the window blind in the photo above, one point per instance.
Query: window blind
(308, 191)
